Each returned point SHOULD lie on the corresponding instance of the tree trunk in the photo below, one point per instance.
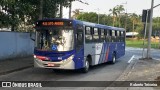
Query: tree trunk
(41, 10)
(113, 21)
(70, 9)
(61, 11)
(13, 19)
(119, 21)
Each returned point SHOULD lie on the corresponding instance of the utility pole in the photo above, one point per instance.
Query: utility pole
(70, 9)
(61, 11)
(41, 10)
(150, 32)
(145, 29)
(98, 15)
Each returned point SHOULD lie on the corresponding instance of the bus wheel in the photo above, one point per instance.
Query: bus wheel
(86, 68)
(113, 58)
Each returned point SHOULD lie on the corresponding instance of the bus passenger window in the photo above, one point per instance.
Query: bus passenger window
(101, 35)
(95, 31)
(113, 33)
(117, 33)
(118, 37)
(122, 36)
(88, 30)
(113, 36)
(95, 35)
(108, 35)
(102, 32)
(110, 32)
(79, 37)
(88, 35)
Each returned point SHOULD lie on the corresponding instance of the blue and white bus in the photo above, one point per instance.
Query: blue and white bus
(75, 44)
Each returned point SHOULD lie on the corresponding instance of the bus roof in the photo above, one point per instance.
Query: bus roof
(85, 23)
(99, 25)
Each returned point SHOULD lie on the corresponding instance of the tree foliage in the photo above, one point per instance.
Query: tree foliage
(16, 13)
(117, 18)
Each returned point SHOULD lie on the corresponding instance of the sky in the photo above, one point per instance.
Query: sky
(131, 6)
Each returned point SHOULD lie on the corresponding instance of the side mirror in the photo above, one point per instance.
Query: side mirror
(32, 36)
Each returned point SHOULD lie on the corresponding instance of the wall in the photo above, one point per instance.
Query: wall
(15, 45)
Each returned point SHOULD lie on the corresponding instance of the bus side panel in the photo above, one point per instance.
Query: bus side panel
(89, 49)
(104, 53)
(79, 59)
(120, 49)
(98, 51)
(112, 47)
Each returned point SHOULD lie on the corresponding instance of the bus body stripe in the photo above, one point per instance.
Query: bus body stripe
(107, 53)
(101, 54)
(104, 51)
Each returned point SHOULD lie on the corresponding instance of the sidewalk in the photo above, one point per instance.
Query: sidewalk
(11, 65)
(140, 70)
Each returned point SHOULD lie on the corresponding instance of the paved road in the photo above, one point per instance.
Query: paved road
(155, 53)
(104, 72)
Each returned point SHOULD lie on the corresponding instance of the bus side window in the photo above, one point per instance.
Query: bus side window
(88, 35)
(118, 40)
(106, 35)
(95, 35)
(79, 37)
(102, 35)
(122, 36)
(113, 36)
(116, 37)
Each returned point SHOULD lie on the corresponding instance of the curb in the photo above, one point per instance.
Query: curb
(14, 70)
(125, 73)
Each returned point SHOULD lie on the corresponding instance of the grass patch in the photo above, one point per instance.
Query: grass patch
(139, 43)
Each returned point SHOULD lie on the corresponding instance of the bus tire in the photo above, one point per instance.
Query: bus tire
(113, 58)
(86, 68)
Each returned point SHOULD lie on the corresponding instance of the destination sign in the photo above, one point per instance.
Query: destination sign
(50, 23)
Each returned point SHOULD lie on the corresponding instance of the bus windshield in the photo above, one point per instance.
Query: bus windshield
(58, 39)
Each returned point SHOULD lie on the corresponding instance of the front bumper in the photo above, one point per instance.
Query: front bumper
(64, 64)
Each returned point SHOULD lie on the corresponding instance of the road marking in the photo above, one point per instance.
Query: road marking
(132, 58)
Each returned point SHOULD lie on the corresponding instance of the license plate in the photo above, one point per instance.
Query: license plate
(50, 64)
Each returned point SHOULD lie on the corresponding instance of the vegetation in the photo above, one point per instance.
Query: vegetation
(118, 18)
(17, 14)
(139, 43)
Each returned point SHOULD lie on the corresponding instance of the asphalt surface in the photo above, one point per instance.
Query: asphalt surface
(104, 72)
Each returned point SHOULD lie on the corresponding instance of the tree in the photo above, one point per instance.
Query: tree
(120, 10)
(76, 13)
(134, 19)
(16, 13)
(87, 17)
(114, 15)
